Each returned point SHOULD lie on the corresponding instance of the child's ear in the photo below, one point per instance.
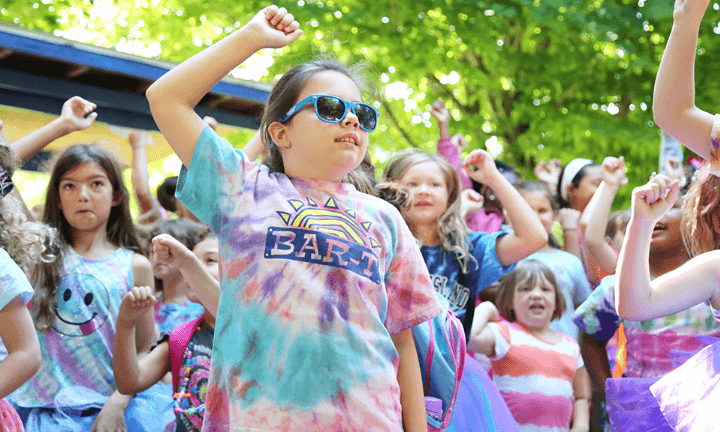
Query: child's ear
(279, 134)
(117, 198)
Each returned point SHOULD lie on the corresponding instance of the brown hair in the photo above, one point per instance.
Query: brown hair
(617, 221)
(286, 93)
(120, 228)
(701, 213)
(451, 227)
(538, 186)
(525, 271)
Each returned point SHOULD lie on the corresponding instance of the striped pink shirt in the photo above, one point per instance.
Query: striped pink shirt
(535, 377)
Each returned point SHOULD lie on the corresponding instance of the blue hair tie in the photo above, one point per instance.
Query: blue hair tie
(272, 143)
(6, 184)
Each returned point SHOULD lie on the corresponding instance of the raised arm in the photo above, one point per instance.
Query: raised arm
(169, 250)
(254, 148)
(173, 96)
(674, 107)
(613, 175)
(133, 375)
(77, 114)
(637, 297)
(149, 205)
(529, 234)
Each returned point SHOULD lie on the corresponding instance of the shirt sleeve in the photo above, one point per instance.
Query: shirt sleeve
(502, 339)
(13, 281)
(216, 175)
(451, 153)
(411, 296)
(487, 270)
(596, 316)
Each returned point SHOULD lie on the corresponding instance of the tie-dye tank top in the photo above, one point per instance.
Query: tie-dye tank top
(77, 349)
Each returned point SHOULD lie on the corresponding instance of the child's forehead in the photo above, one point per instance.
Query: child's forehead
(84, 170)
(332, 83)
(208, 245)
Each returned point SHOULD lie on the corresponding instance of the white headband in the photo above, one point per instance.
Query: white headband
(571, 170)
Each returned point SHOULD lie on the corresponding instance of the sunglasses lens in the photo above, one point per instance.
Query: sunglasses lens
(330, 108)
(366, 116)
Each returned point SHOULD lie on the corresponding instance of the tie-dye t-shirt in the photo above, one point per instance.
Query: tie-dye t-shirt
(13, 283)
(649, 343)
(315, 277)
(77, 350)
(170, 315)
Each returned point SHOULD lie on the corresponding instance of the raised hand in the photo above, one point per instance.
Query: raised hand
(651, 201)
(484, 166)
(690, 11)
(549, 172)
(275, 26)
(211, 121)
(78, 114)
(568, 218)
(470, 201)
(139, 138)
(169, 250)
(135, 304)
(613, 171)
(440, 111)
(458, 140)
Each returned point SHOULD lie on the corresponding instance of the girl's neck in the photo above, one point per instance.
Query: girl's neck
(428, 234)
(664, 261)
(174, 289)
(547, 248)
(92, 244)
(543, 332)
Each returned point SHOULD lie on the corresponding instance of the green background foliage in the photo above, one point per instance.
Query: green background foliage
(550, 78)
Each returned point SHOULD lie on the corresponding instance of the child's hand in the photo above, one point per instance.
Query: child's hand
(169, 250)
(492, 312)
(440, 111)
(470, 201)
(613, 171)
(569, 218)
(135, 303)
(211, 121)
(276, 27)
(484, 163)
(458, 140)
(651, 201)
(78, 114)
(548, 172)
(139, 138)
(690, 11)
(673, 168)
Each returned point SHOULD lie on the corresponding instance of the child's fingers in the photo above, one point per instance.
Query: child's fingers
(279, 15)
(270, 11)
(286, 21)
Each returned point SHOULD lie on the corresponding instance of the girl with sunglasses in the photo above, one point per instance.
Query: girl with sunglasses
(320, 283)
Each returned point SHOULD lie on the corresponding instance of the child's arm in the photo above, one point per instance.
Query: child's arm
(149, 205)
(482, 338)
(133, 375)
(529, 235)
(411, 391)
(254, 148)
(569, 220)
(18, 334)
(637, 297)
(173, 96)
(549, 173)
(594, 353)
(581, 407)
(449, 148)
(613, 175)
(77, 114)
(170, 251)
(674, 107)
(146, 331)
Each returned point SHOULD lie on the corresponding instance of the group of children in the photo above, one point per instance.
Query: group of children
(326, 274)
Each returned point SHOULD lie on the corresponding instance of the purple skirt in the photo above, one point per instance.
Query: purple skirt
(480, 407)
(632, 407)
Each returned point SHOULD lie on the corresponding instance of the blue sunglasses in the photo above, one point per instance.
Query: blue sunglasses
(332, 109)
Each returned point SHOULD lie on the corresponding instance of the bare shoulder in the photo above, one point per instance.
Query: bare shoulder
(142, 270)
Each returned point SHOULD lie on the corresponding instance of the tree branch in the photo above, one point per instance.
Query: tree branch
(393, 120)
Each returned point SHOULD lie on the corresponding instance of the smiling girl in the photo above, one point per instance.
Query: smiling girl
(539, 371)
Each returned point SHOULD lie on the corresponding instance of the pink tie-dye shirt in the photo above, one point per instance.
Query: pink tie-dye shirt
(315, 277)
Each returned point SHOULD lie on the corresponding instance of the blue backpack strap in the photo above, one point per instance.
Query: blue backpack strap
(179, 340)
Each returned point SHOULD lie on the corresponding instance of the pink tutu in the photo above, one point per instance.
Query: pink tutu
(689, 396)
(9, 419)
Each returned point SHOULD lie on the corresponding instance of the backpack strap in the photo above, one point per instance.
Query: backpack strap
(429, 359)
(179, 340)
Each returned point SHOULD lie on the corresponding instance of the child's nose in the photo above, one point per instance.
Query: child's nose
(351, 120)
